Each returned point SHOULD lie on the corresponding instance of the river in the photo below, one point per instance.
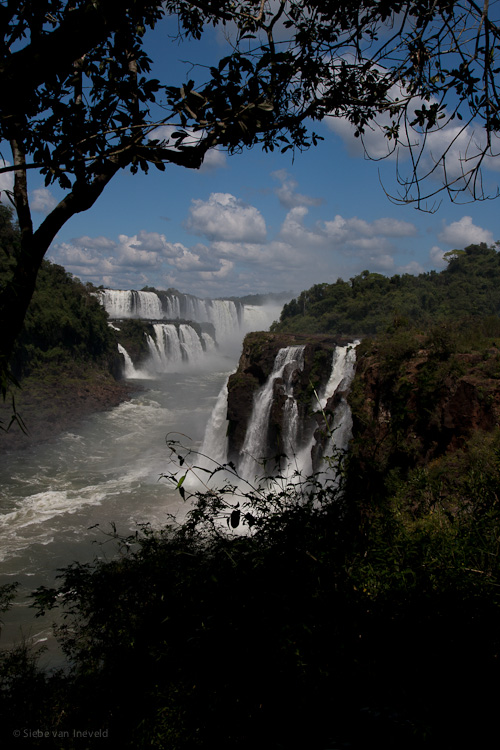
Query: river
(59, 499)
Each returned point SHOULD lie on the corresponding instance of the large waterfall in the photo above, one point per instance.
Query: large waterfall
(183, 329)
(256, 447)
(302, 447)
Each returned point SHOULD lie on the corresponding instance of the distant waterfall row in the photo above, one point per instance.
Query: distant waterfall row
(227, 316)
(306, 446)
(195, 328)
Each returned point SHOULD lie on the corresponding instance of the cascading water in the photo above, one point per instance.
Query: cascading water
(214, 447)
(255, 447)
(130, 371)
(174, 346)
(344, 362)
(342, 373)
(299, 442)
(131, 304)
(169, 348)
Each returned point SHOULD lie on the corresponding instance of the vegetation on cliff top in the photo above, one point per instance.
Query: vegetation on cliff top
(370, 302)
(66, 346)
(65, 323)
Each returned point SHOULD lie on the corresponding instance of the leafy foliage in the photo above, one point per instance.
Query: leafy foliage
(370, 302)
(65, 324)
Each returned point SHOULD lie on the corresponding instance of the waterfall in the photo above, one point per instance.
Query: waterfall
(178, 342)
(130, 371)
(341, 375)
(224, 315)
(304, 444)
(255, 446)
(131, 304)
(343, 369)
(174, 346)
(214, 446)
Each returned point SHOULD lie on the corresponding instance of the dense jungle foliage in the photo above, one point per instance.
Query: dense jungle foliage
(64, 324)
(65, 359)
(369, 302)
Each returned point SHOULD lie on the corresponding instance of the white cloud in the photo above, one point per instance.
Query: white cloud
(294, 231)
(436, 255)
(94, 243)
(373, 142)
(344, 230)
(214, 159)
(226, 218)
(225, 269)
(42, 200)
(462, 233)
(288, 197)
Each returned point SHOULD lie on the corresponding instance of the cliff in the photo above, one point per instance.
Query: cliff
(256, 364)
(419, 399)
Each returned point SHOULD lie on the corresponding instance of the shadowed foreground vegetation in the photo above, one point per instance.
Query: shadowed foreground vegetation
(342, 619)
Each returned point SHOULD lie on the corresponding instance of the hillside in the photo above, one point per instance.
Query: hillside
(65, 360)
(369, 303)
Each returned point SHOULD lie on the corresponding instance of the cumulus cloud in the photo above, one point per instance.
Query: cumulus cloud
(226, 218)
(287, 192)
(462, 233)
(126, 262)
(42, 200)
(353, 237)
(140, 259)
(436, 255)
(345, 230)
(294, 231)
(226, 266)
(350, 244)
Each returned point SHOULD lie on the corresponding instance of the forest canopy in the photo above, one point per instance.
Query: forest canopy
(370, 302)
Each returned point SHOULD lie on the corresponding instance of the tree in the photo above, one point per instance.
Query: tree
(79, 104)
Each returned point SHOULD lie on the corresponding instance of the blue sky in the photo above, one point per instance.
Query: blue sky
(256, 222)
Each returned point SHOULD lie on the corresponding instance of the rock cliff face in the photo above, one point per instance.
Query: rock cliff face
(410, 404)
(414, 412)
(256, 364)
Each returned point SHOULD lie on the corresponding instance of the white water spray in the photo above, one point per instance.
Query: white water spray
(254, 447)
